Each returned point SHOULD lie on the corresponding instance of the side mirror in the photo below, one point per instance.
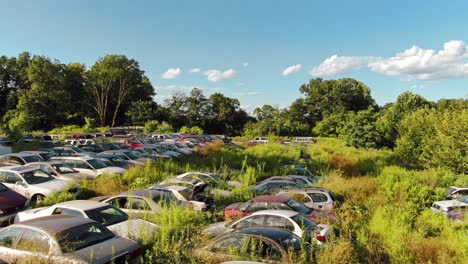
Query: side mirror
(20, 183)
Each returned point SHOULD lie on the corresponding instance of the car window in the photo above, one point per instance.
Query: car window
(33, 241)
(137, 204)
(118, 202)
(66, 211)
(318, 197)
(3, 176)
(263, 249)
(300, 197)
(229, 243)
(36, 177)
(81, 164)
(107, 215)
(279, 206)
(256, 220)
(16, 160)
(258, 207)
(8, 236)
(12, 178)
(82, 236)
(279, 222)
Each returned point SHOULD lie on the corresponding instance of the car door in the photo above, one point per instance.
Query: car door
(16, 183)
(28, 245)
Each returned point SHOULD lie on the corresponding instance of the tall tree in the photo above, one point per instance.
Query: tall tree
(113, 82)
(324, 97)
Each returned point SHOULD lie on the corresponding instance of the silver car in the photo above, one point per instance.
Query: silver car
(315, 198)
(60, 171)
(32, 183)
(65, 239)
(108, 215)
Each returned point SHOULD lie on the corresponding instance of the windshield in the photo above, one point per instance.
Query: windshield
(303, 222)
(107, 162)
(186, 193)
(132, 155)
(3, 188)
(450, 191)
(36, 177)
(97, 164)
(32, 158)
(107, 215)
(180, 145)
(82, 236)
(63, 169)
(77, 149)
(298, 207)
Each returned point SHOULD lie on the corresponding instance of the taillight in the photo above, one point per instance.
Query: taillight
(321, 238)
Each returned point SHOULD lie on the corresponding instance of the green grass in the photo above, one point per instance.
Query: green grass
(383, 216)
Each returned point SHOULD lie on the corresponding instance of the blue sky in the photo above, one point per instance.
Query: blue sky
(259, 51)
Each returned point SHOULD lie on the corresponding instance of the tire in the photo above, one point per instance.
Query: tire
(37, 199)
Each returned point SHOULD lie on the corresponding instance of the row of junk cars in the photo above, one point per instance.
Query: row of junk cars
(285, 212)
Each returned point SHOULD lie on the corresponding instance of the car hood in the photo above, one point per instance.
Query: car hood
(75, 176)
(11, 199)
(133, 228)
(112, 170)
(217, 229)
(54, 185)
(105, 251)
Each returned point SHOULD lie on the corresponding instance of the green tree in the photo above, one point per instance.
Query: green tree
(360, 130)
(332, 125)
(391, 116)
(113, 82)
(325, 97)
(141, 111)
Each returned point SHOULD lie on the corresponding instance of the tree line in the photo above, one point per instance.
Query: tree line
(39, 94)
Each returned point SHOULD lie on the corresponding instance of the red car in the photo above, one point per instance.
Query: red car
(11, 203)
(271, 202)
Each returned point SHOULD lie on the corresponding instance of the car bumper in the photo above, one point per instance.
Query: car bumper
(8, 219)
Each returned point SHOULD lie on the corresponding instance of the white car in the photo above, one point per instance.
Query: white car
(284, 219)
(88, 165)
(60, 171)
(110, 216)
(449, 206)
(32, 183)
(315, 198)
(183, 194)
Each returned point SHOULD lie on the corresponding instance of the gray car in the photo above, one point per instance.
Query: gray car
(65, 239)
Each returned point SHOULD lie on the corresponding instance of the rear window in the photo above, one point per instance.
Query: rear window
(82, 236)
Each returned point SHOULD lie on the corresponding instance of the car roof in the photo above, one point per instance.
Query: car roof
(35, 151)
(284, 213)
(449, 203)
(52, 162)
(270, 199)
(21, 154)
(183, 180)
(143, 193)
(82, 204)
(85, 158)
(19, 169)
(55, 223)
(305, 190)
(169, 187)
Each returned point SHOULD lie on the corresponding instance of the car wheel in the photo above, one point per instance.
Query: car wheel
(37, 199)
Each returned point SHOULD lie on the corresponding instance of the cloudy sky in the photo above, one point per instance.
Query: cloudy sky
(257, 51)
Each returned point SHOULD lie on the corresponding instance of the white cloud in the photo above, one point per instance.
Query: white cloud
(291, 69)
(414, 63)
(195, 70)
(245, 64)
(249, 94)
(171, 73)
(336, 65)
(216, 75)
(426, 64)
